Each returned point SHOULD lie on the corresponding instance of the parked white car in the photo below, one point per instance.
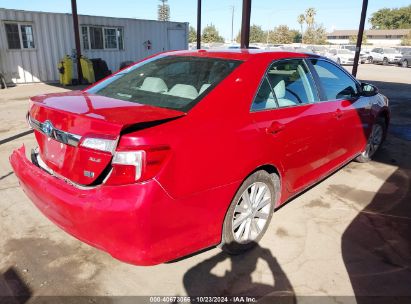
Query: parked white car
(385, 56)
(341, 56)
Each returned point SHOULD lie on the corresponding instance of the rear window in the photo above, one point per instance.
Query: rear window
(173, 82)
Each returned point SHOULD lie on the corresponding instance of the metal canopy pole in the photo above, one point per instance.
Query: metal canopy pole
(198, 24)
(245, 24)
(77, 39)
(359, 37)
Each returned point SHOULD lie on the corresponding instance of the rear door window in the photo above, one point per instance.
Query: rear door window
(287, 83)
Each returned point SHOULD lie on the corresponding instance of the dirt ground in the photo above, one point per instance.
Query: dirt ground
(350, 235)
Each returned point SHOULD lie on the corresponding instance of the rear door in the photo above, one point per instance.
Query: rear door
(341, 91)
(293, 125)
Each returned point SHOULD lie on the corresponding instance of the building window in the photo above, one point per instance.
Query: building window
(19, 36)
(100, 38)
(120, 36)
(110, 38)
(84, 36)
(96, 38)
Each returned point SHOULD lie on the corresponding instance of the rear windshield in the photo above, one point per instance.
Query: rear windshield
(173, 82)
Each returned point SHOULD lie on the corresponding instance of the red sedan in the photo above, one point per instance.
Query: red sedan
(191, 149)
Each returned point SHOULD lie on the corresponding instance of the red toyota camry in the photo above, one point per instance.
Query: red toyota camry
(191, 149)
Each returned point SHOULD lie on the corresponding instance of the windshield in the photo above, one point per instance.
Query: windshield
(173, 82)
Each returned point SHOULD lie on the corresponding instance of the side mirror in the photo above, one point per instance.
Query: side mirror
(368, 90)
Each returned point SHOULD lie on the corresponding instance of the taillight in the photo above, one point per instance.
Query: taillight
(101, 144)
(130, 166)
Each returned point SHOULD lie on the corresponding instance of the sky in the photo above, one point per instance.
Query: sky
(343, 14)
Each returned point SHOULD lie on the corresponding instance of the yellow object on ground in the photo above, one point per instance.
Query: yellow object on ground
(65, 68)
(87, 69)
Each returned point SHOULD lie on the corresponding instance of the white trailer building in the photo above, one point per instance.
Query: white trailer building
(32, 43)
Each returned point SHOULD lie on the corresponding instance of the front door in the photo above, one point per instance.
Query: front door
(341, 89)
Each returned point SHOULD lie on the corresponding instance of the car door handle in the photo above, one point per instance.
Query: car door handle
(275, 128)
(338, 114)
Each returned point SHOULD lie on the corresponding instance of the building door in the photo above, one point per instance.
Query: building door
(176, 39)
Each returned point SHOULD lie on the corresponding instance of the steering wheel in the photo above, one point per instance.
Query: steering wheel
(295, 95)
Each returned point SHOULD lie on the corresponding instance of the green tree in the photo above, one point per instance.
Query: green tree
(316, 34)
(310, 16)
(192, 35)
(406, 40)
(281, 34)
(396, 18)
(256, 34)
(163, 11)
(211, 34)
(301, 20)
(297, 37)
(353, 39)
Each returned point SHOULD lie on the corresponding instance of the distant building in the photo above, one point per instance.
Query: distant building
(374, 37)
(32, 43)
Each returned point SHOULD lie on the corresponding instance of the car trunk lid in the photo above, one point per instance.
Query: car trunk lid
(62, 121)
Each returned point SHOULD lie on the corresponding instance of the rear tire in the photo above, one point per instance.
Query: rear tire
(385, 61)
(370, 60)
(374, 142)
(404, 63)
(250, 212)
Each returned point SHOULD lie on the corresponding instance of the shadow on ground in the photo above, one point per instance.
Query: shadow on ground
(376, 246)
(200, 281)
(13, 290)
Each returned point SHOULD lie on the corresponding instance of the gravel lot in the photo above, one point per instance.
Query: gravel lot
(348, 235)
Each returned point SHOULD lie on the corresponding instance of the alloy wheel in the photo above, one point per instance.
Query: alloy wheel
(251, 212)
(404, 63)
(374, 141)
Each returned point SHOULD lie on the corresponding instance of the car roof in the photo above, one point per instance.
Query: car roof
(240, 54)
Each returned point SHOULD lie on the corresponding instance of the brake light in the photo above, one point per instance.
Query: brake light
(130, 166)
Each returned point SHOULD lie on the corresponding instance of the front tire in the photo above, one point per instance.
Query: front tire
(374, 141)
(404, 63)
(250, 212)
(385, 61)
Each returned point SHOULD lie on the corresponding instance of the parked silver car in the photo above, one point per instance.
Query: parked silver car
(385, 56)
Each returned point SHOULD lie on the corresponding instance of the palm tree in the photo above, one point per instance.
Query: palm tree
(301, 20)
(309, 16)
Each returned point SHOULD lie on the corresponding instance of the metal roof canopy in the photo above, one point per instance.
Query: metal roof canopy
(245, 29)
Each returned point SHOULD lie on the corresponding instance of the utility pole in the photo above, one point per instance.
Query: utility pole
(232, 24)
(77, 39)
(245, 24)
(198, 24)
(359, 37)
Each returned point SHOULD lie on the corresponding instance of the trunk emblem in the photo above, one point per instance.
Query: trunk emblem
(47, 127)
(88, 174)
(96, 160)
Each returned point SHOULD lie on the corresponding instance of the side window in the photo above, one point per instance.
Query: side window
(335, 82)
(292, 83)
(286, 83)
(264, 99)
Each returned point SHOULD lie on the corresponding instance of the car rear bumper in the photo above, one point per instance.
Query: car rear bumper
(138, 223)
